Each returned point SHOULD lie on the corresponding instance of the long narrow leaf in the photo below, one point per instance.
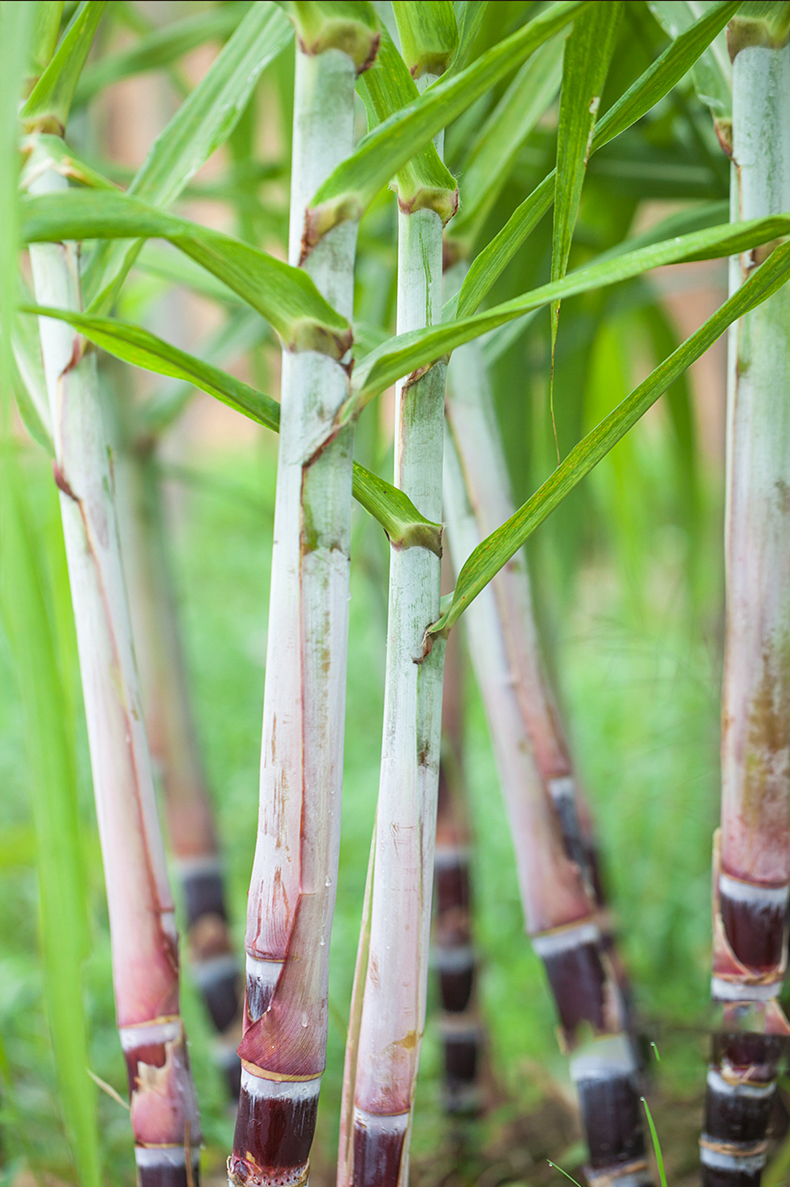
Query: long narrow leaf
(157, 49)
(391, 507)
(348, 191)
(284, 295)
(201, 124)
(651, 86)
(419, 349)
(495, 551)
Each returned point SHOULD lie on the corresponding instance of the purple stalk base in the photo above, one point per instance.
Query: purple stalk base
(578, 983)
(455, 986)
(755, 930)
(165, 1175)
(738, 1108)
(611, 1113)
(378, 1151)
(274, 1131)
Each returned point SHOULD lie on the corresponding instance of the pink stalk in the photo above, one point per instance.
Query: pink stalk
(752, 851)
(164, 1112)
(292, 891)
(559, 907)
(175, 748)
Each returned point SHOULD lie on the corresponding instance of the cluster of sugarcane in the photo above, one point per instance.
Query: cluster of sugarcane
(410, 95)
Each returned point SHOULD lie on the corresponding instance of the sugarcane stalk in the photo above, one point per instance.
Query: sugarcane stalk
(174, 745)
(752, 851)
(453, 948)
(292, 890)
(392, 1010)
(559, 908)
(144, 939)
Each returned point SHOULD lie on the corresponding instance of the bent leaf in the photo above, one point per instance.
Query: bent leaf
(497, 549)
(284, 295)
(395, 512)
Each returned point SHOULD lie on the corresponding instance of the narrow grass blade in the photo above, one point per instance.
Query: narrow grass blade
(656, 1144)
(47, 108)
(348, 192)
(157, 49)
(651, 86)
(498, 548)
(201, 124)
(285, 296)
(408, 352)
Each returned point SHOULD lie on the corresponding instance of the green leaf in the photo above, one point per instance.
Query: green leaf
(419, 349)
(424, 181)
(497, 549)
(588, 51)
(46, 26)
(347, 193)
(396, 513)
(493, 150)
(47, 107)
(428, 34)
(53, 798)
(469, 16)
(45, 151)
(202, 123)
(284, 295)
(712, 71)
(347, 25)
(651, 86)
(760, 22)
(158, 48)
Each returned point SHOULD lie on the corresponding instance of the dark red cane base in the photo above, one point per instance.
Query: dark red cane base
(612, 1115)
(273, 1139)
(577, 980)
(713, 1177)
(755, 931)
(222, 999)
(377, 1156)
(455, 987)
(204, 894)
(168, 1176)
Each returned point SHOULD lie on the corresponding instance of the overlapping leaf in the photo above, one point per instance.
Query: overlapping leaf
(50, 100)
(651, 86)
(284, 295)
(348, 191)
(391, 507)
(419, 349)
(497, 549)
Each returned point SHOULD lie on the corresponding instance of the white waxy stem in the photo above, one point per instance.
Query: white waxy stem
(393, 1007)
(564, 940)
(755, 839)
(207, 973)
(142, 925)
(757, 896)
(552, 892)
(746, 1164)
(148, 1036)
(611, 1056)
(151, 1157)
(748, 991)
(717, 1083)
(265, 1088)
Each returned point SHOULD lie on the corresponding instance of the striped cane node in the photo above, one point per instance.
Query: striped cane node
(627, 1174)
(745, 1156)
(282, 1077)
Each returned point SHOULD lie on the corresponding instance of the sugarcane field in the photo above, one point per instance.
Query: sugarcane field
(394, 593)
